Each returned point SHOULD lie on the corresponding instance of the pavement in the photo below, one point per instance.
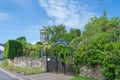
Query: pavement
(41, 76)
(48, 76)
(6, 75)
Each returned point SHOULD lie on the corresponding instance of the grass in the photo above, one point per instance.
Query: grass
(22, 70)
(83, 78)
(25, 70)
(4, 63)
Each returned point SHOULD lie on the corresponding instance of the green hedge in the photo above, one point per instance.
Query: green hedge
(13, 49)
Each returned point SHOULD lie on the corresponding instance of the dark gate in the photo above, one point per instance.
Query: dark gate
(56, 65)
(52, 64)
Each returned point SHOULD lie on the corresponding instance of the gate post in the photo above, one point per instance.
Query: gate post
(56, 64)
(64, 69)
(46, 59)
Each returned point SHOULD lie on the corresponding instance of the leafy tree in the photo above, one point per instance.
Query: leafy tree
(38, 43)
(114, 22)
(55, 33)
(22, 40)
(73, 33)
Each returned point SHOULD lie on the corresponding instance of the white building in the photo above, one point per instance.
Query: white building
(2, 51)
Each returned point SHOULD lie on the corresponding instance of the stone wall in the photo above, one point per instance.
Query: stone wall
(40, 63)
(90, 72)
(35, 63)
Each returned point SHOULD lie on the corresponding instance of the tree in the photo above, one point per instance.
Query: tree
(22, 40)
(38, 43)
(73, 33)
(55, 33)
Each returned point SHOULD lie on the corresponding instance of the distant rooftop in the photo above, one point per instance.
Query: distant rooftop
(2, 45)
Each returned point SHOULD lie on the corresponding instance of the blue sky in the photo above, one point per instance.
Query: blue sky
(26, 17)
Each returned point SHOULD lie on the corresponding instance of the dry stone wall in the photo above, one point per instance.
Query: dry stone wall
(40, 63)
(35, 63)
(91, 72)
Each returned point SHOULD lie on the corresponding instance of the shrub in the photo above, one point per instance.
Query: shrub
(104, 49)
(111, 70)
(13, 49)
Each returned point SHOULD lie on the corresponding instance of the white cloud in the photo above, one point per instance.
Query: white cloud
(50, 22)
(72, 13)
(4, 16)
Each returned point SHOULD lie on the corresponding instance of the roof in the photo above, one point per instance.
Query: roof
(2, 45)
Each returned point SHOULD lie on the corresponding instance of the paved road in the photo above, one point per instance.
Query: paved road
(4, 76)
(49, 76)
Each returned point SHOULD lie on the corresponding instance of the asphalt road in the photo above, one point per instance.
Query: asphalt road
(4, 76)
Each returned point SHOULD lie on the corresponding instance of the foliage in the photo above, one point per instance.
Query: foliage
(100, 45)
(94, 52)
(111, 70)
(13, 49)
(64, 52)
(55, 33)
(39, 43)
(83, 78)
(29, 49)
(38, 50)
(32, 50)
(22, 40)
(76, 69)
(58, 32)
(72, 34)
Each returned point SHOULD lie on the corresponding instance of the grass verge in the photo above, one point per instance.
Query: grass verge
(83, 78)
(4, 63)
(22, 70)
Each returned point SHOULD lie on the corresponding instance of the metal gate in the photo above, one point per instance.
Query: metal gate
(56, 65)
(52, 64)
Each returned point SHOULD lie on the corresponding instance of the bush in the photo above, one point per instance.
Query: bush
(13, 49)
(111, 70)
(104, 49)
